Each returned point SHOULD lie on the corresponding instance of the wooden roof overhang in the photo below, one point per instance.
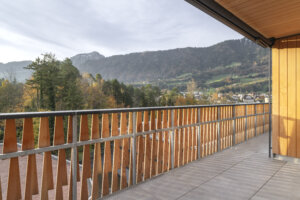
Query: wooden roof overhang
(262, 21)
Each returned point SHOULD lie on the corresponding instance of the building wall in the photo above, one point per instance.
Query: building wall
(286, 97)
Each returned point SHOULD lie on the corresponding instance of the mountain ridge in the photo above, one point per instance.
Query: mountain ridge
(166, 68)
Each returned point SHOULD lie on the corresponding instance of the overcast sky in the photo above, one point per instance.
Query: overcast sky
(29, 28)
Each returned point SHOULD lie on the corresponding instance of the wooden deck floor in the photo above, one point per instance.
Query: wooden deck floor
(242, 172)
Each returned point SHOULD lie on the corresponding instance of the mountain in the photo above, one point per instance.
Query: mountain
(16, 70)
(230, 63)
(82, 59)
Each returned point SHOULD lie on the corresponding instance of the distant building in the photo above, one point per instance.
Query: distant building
(248, 99)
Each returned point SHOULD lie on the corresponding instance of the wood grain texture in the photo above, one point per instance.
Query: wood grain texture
(140, 148)
(285, 106)
(147, 150)
(153, 165)
(180, 133)
(176, 138)
(165, 142)
(189, 135)
(194, 135)
(271, 18)
(86, 160)
(291, 93)
(297, 95)
(61, 175)
(97, 163)
(202, 115)
(130, 131)
(115, 185)
(107, 155)
(31, 182)
(10, 145)
(283, 97)
(47, 174)
(169, 142)
(160, 144)
(185, 137)
(125, 152)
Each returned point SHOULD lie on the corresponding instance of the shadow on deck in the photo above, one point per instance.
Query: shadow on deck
(241, 172)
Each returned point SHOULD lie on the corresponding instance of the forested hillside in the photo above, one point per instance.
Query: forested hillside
(224, 64)
(233, 65)
(58, 85)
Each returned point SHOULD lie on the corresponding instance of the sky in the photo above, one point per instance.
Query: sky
(29, 28)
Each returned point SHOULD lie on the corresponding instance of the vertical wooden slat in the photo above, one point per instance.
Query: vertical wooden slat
(209, 113)
(212, 139)
(153, 165)
(97, 163)
(195, 138)
(140, 148)
(165, 141)
(160, 144)
(169, 137)
(176, 138)
(61, 175)
(275, 98)
(130, 131)
(298, 97)
(189, 136)
(10, 145)
(31, 183)
(107, 155)
(225, 135)
(180, 133)
(215, 116)
(291, 93)
(283, 96)
(86, 160)
(215, 130)
(185, 138)
(221, 129)
(125, 151)
(47, 175)
(147, 151)
(192, 133)
(203, 135)
(116, 154)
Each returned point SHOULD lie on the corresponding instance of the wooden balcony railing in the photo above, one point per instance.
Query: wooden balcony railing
(93, 153)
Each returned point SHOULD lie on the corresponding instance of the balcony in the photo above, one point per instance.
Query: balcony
(90, 154)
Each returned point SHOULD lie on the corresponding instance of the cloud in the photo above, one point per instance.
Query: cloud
(29, 28)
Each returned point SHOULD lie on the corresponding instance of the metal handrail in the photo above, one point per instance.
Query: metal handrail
(112, 110)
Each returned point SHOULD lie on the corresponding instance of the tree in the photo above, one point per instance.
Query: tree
(11, 96)
(69, 95)
(45, 80)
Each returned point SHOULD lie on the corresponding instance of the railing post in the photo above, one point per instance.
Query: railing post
(172, 139)
(233, 124)
(199, 134)
(74, 155)
(218, 129)
(255, 112)
(246, 123)
(263, 118)
(134, 148)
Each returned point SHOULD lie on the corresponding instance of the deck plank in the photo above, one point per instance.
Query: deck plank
(241, 172)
